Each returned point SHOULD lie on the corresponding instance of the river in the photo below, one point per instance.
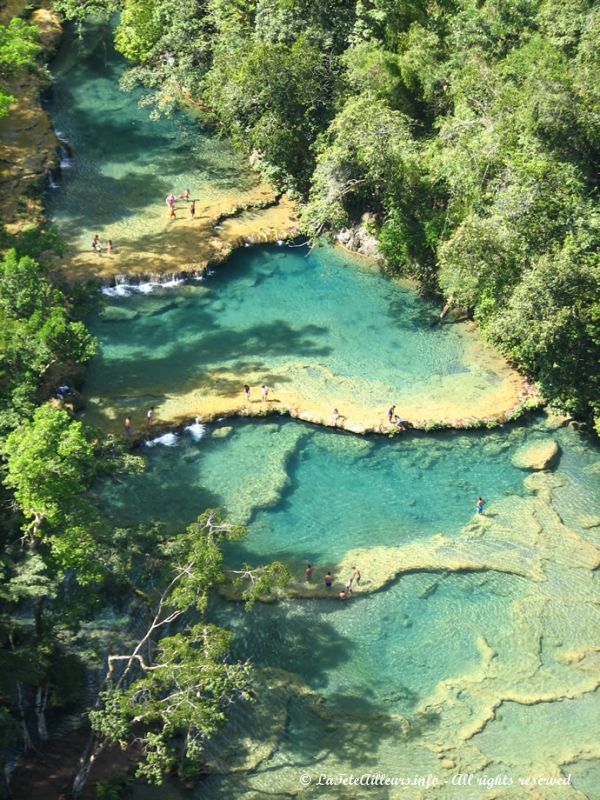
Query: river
(467, 657)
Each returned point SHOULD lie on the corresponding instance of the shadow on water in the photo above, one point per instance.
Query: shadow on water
(302, 730)
(190, 364)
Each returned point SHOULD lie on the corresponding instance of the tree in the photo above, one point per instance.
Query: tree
(49, 466)
(18, 51)
(171, 691)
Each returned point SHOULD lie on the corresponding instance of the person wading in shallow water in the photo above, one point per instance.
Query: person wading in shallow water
(308, 572)
(328, 580)
(150, 415)
(127, 426)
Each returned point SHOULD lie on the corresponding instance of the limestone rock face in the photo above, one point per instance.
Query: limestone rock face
(359, 240)
(537, 455)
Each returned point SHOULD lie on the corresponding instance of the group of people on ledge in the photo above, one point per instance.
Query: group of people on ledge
(185, 196)
(397, 421)
(344, 593)
(97, 247)
(264, 393)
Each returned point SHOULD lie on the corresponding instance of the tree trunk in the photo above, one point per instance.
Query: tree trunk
(92, 750)
(41, 700)
(27, 743)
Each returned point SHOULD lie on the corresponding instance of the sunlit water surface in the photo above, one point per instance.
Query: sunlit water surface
(442, 672)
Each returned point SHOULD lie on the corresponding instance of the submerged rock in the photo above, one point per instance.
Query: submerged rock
(222, 433)
(118, 314)
(537, 455)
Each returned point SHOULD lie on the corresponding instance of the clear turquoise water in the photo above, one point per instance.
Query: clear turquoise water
(322, 324)
(389, 681)
(124, 163)
(322, 492)
(373, 667)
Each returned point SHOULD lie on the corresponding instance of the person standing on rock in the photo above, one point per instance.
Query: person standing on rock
(479, 505)
(356, 575)
(150, 415)
(390, 413)
(264, 391)
(185, 195)
(127, 426)
(193, 209)
(96, 244)
(308, 572)
(170, 200)
(247, 392)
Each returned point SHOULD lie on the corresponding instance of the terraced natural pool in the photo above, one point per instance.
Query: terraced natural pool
(467, 660)
(322, 329)
(489, 626)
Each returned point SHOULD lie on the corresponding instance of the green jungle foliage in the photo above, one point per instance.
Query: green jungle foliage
(469, 128)
(18, 52)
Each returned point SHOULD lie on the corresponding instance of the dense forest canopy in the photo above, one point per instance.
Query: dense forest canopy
(470, 129)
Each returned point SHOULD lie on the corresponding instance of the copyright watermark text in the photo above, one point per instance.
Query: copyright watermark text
(428, 781)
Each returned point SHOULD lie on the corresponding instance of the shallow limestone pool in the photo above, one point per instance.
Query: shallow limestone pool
(322, 329)
(470, 648)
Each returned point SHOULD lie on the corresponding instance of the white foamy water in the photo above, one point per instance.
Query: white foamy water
(196, 430)
(124, 289)
(167, 440)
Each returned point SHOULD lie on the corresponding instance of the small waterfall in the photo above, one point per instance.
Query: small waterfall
(65, 155)
(52, 182)
(123, 288)
(196, 429)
